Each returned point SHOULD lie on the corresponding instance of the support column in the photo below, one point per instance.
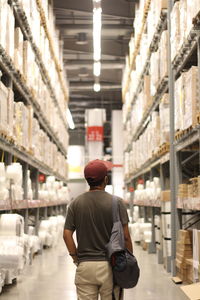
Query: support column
(173, 179)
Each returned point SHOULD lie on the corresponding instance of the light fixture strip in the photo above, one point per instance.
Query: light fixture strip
(70, 119)
(97, 15)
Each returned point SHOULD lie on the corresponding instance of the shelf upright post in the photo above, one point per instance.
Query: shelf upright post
(162, 183)
(173, 179)
(131, 199)
(36, 196)
(152, 245)
(25, 187)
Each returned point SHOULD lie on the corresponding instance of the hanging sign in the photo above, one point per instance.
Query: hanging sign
(41, 178)
(95, 133)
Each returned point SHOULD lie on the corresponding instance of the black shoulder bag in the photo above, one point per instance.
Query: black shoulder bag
(124, 264)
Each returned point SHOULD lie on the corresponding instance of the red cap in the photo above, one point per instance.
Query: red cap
(97, 169)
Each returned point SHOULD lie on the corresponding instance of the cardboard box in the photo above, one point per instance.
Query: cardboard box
(192, 291)
(18, 60)
(165, 196)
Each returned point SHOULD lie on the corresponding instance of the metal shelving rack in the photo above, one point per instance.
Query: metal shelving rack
(34, 208)
(170, 165)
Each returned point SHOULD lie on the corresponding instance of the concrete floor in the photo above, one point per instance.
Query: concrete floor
(51, 277)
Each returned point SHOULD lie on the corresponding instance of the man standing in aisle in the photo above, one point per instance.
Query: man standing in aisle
(90, 215)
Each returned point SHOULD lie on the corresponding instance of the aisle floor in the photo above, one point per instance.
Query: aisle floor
(51, 277)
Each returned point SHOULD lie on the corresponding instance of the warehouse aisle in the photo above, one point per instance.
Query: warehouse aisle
(51, 278)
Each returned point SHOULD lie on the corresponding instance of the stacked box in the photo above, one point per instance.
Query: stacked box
(180, 102)
(3, 21)
(164, 54)
(164, 119)
(155, 71)
(183, 252)
(3, 108)
(10, 33)
(147, 92)
(192, 102)
(193, 7)
(183, 21)
(175, 32)
(10, 111)
(190, 271)
(18, 56)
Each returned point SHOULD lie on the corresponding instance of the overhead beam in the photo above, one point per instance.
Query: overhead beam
(114, 48)
(119, 8)
(107, 30)
(76, 64)
(82, 86)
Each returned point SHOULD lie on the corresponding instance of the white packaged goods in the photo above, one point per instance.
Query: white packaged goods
(18, 55)
(149, 194)
(175, 32)
(164, 119)
(10, 33)
(3, 107)
(164, 55)
(192, 102)
(179, 102)
(3, 21)
(186, 99)
(155, 71)
(53, 190)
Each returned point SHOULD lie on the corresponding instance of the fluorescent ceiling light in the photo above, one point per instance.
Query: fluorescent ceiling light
(97, 68)
(97, 87)
(97, 33)
(70, 119)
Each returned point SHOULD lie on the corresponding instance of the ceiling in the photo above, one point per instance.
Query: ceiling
(74, 20)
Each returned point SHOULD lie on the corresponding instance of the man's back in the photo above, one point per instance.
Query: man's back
(90, 215)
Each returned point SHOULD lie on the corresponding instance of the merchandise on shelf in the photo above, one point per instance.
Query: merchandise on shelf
(4, 190)
(140, 231)
(51, 230)
(14, 181)
(164, 119)
(182, 15)
(21, 53)
(148, 195)
(183, 252)
(53, 191)
(16, 120)
(163, 62)
(189, 194)
(186, 99)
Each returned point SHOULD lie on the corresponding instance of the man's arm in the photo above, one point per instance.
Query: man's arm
(127, 237)
(69, 241)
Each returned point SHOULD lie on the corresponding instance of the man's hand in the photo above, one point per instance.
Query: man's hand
(69, 241)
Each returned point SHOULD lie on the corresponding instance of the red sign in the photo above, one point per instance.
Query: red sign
(41, 178)
(95, 134)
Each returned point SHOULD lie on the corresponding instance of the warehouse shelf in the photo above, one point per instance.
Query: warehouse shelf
(29, 204)
(7, 65)
(150, 164)
(162, 24)
(58, 67)
(187, 140)
(162, 89)
(189, 204)
(185, 52)
(137, 47)
(24, 25)
(147, 205)
(23, 155)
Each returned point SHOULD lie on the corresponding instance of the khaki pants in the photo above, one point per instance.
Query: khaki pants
(94, 278)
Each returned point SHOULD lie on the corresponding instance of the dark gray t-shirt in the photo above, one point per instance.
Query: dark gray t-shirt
(90, 215)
